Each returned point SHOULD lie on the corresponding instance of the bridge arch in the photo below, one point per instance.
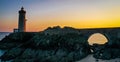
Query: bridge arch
(99, 38)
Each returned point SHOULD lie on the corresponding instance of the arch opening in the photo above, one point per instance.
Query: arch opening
(97, 38)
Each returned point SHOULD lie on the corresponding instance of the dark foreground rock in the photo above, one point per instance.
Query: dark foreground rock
(106, 51)
(42, 47)
(15, 40)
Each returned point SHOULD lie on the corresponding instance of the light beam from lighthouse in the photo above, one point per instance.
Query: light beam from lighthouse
(22, 21)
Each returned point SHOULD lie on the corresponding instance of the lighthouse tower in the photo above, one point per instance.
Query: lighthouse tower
(22, 21)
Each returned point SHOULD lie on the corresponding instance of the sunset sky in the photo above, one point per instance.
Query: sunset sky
(75, 13)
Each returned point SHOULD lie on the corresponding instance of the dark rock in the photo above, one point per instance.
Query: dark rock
(11, 54)
(106, 51)
(48, 48)
(15, 40)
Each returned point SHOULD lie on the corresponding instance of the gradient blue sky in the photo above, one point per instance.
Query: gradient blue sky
(74, 13)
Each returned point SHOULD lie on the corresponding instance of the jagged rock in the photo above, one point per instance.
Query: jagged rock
(15, 39)
(106, 51)
(11, 54)
(40, 47)
(60, 31)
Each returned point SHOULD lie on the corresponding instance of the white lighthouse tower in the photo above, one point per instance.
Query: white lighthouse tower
(22, 21)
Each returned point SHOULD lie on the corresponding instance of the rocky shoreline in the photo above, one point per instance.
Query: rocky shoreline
(46, 47)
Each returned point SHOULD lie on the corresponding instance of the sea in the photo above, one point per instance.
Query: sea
(3, 34)
(89, 58)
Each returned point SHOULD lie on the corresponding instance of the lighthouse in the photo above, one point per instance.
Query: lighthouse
(22, 21)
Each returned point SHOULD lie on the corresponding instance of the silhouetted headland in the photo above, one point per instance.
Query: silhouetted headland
(54, 45)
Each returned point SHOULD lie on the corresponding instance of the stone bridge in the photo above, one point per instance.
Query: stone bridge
(112, 34)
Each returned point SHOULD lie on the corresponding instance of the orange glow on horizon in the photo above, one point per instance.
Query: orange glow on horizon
(77, 14)
(41, 25)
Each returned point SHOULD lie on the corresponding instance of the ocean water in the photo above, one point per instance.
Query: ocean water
(3, 34)
(89, 58)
